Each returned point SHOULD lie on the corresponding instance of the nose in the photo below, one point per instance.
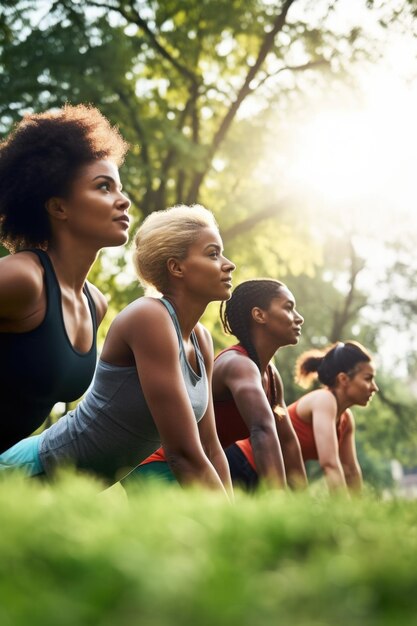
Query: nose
(375, 386)
(229, 264)
(299, 318)
(123, 202)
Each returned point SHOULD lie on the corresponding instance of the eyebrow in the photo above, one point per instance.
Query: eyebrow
(290, 301)
(213, 245)
(110, 178)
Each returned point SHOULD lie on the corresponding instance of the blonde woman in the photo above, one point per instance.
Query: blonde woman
(153, 380)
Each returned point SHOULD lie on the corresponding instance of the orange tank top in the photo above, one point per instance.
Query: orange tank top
(304, 432)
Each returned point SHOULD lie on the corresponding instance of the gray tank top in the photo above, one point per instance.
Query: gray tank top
(112, 430)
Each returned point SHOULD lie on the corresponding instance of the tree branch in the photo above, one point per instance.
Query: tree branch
(134, 17)
(342, 317)
(245, 89)
(241, 227)
(292, 68)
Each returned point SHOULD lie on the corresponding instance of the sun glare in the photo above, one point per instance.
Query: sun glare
(363, 158)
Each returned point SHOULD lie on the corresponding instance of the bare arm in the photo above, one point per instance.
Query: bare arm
(242, 379)
(156, 354)
(291, 449)
(324, 410)
(348, 456)
(207, 425)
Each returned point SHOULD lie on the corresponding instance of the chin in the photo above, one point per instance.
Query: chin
(121, 241)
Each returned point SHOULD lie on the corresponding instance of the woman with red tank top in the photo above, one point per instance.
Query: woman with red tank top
(322, 418)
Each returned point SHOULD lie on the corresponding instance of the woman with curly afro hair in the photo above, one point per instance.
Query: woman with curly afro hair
(60, 203)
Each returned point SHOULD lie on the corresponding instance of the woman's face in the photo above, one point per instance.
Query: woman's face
(361, 386)
(95, 209)
(282, 319)
(206, 272)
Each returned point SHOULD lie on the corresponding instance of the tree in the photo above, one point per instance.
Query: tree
(175, 79)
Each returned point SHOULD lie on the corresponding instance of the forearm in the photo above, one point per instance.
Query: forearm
(294, 464)
(353, 477)
(220, 464)
(191, 471)
(268, 458)
(335, 477)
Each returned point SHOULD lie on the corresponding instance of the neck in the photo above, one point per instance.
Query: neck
(188, 312)
(71, 265)
(342, 402)
(265, 349)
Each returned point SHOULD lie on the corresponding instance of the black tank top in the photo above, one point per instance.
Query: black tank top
(41, 367)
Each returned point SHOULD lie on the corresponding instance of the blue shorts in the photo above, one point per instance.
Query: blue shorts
(24, 456)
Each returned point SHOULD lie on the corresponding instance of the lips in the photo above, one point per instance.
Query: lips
(124, 219)
(228, 282)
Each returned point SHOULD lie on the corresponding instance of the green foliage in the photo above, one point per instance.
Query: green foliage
(173, 79)
(388, 426)
(169, 556)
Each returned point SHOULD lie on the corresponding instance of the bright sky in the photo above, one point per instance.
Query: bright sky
(357, 156)
(360, 153)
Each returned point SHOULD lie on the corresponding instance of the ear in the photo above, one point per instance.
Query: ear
(342, 378)
(174, 267)
(55, 209)
(258, 315)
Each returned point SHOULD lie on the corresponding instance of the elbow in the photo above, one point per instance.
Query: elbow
(184, 461)
(352, 472)
(263, 431)
(330, 466)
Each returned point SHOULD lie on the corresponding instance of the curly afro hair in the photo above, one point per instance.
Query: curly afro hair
(40, 159)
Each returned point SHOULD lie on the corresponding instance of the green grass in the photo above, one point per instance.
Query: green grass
(169, 557)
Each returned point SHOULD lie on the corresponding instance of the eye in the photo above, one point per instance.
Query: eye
(214, 254)
(104, 185)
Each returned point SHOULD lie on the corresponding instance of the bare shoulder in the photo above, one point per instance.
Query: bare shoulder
(320, 400)
(145, 314)
(100, 301)
(233, 370)
(21, 283)
(142, 330)
(235, 361)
